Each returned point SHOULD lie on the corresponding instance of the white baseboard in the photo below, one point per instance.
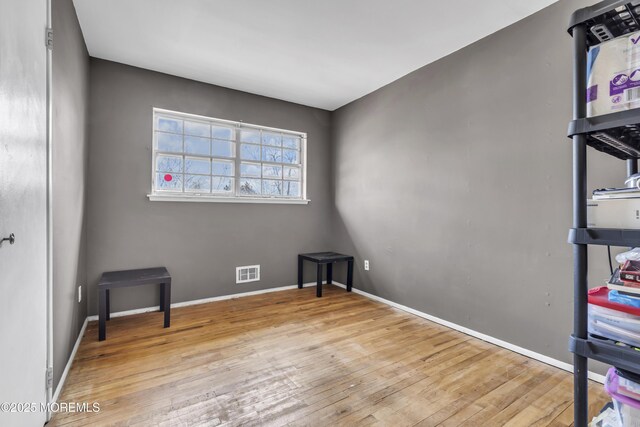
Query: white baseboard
(72, 356)
(500, 343)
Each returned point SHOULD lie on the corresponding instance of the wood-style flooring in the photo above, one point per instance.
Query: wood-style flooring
(289, 358)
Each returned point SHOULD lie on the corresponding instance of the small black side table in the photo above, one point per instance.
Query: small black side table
(328, 258)
(124, 278)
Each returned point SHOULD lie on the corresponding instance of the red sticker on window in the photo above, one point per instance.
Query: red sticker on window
(168, 177)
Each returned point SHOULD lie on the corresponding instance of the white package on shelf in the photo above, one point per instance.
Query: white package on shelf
(613, 213)
(613, 75)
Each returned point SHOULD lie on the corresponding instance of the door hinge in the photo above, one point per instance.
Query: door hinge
(49, 378)
(49, 38)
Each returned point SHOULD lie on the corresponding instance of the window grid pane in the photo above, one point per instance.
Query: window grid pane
(276, 153)
(198, 156)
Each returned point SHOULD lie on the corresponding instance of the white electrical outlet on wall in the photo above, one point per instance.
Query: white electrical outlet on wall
(366, 264)
(79, 293)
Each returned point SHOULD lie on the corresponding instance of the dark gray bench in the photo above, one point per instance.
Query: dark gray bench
(125, 278)
(328, 259)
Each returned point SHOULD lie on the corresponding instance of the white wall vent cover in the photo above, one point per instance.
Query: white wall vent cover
(247, 273)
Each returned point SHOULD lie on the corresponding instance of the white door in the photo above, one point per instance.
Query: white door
(23, 210)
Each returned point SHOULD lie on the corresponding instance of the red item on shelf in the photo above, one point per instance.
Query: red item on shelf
(600, 296)
(630, 273)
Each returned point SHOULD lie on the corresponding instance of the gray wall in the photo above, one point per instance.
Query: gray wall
(455, 182)
(70, 109)
(200, 243)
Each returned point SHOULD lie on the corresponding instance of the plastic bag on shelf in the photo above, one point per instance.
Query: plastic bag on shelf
(607, 418)
(633, 255)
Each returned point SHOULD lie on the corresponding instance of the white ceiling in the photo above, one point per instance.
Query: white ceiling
(322, 53)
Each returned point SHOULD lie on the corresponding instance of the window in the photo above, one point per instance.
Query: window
(201, 158)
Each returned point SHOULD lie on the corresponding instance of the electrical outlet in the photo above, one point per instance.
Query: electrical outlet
(79, 293)
(366, 264)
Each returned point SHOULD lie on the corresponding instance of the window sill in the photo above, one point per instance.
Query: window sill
(205, 199)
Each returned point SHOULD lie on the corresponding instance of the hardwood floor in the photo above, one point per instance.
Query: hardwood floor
(291, 358)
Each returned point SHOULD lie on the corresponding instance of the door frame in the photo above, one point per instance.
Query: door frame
(49, 205)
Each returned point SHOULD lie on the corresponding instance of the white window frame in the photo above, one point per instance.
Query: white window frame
(174, 196)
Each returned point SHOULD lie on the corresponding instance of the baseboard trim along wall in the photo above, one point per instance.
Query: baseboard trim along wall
(72, 356)
(500, 343)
